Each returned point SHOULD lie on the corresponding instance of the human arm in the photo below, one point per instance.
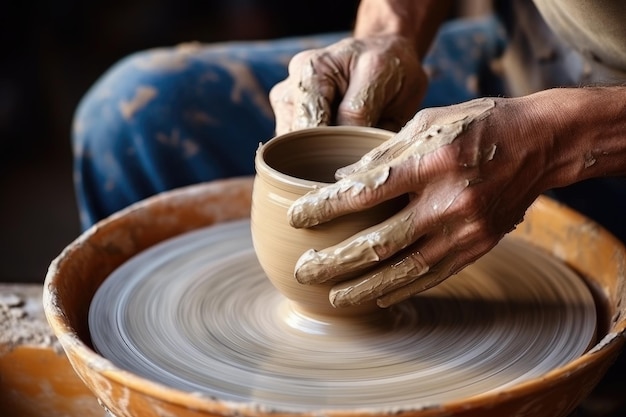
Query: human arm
(471, 171)
(373, 78)
(416, 21)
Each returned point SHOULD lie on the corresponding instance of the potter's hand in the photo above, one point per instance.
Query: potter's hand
(370, 81)
(470, 170)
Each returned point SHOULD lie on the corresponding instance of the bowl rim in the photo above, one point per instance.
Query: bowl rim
(608, 345)
(271, 173)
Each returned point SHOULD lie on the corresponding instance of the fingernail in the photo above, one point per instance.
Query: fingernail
(351, 293)
(336, 299)
(295, 215)
(345, 297)
(308, 269)
(339, 298)
(299, 217)
(384, 302)
(388, 300)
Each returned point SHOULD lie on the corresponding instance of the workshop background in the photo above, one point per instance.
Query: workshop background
(53, 51)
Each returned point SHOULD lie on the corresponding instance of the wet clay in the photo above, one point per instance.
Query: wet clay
(36, 378)
(22, 320)
(372, 170)
(311, 104)
(558, 233)
(368, 248)
(288, 167)
(512, 316)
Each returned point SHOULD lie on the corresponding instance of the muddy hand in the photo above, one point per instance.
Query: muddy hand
(468, 187)
(374, 81)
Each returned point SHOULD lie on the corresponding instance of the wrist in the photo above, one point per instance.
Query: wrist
(583, 132)
(416, 21)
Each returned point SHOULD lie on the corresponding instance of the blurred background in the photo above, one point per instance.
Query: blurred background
(53, 51)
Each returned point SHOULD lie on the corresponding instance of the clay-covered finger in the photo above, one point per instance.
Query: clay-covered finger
(420, 266)
(364, 100)
(391, 275)
(334, 200)
(311, 110)
(434, 277)
(356, 193)
(386, 172)
(360, 251)
(362, 190)
(451, 264)
(382, 154)
(414, 140)
(282, 105)
(315, 90)
(421, 136)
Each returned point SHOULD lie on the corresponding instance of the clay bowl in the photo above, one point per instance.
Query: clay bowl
(288, 167)
(75, 275)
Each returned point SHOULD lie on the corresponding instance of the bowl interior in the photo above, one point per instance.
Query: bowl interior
(316, 154)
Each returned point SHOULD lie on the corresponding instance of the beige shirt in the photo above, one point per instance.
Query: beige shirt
(595, 28)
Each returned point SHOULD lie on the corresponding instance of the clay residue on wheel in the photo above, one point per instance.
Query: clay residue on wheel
(22, 321)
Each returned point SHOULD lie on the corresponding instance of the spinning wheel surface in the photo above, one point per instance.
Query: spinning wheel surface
(197, 313)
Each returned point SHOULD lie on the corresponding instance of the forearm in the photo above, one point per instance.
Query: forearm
(588, 129)
(416, 20)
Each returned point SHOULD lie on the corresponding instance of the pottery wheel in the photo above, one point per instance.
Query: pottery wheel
(197, 313)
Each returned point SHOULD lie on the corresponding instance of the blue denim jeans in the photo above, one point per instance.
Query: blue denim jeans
(169, 117)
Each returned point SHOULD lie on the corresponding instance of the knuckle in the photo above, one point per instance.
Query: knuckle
(471, 205)
(424, 118)
(299, 59)
(477, 237)
(420, 265)
(445, 162)
(367, 197)
(376, 61)
(354, 112)
(278, 93)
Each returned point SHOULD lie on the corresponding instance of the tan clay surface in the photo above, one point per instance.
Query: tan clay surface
(81, 268)
(288, 167)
